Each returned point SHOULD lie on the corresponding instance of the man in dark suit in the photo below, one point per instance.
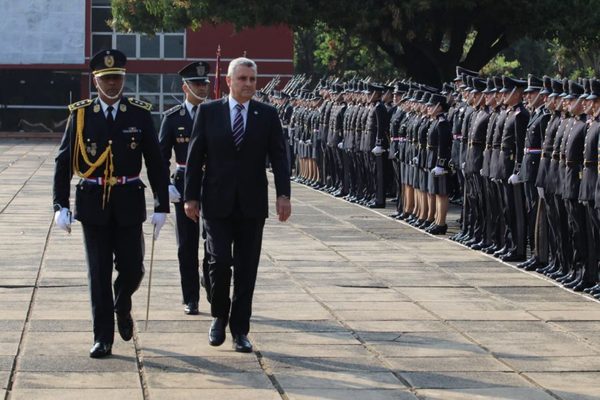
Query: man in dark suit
(174, 136)
(231, 139)
(104, 143)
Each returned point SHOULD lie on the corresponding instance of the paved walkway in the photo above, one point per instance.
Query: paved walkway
(349, 304)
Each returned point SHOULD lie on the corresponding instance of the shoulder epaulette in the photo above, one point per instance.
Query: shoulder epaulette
(173, 110)
(80, 104)
(140, 103)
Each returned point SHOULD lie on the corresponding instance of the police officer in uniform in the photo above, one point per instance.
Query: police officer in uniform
(174, 135)
(104, 143)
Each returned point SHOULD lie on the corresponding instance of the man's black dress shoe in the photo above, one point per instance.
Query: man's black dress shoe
(216, 334)
(510, 256)
(125, 325)
(241, 344)
(376, 205)
(100, 350)
(438, 230)
(191, 308)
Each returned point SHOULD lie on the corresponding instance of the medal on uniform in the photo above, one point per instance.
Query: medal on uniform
(123, 107)
(187, 139)
(182, 112)
(97, 108)
(92, 149)
(133, 145)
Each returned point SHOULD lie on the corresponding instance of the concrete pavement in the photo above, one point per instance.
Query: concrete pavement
(349, 304)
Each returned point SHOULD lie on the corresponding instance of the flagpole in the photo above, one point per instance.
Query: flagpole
(218, 74)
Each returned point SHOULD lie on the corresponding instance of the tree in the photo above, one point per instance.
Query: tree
(426, 38)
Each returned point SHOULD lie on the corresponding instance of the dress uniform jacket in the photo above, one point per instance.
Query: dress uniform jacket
(489, 139)
(477, 138)
(513, 142)
(497, 145)
(131, 138)
(533, 144)
(590, 161)
(547, 145)
(574, 145)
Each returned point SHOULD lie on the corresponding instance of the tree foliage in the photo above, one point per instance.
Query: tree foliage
(426, 38)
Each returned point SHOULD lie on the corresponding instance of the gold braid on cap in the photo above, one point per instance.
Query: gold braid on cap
(105, 158)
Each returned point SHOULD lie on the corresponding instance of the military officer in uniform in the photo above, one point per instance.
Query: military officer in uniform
(104, 143)
(174, 135)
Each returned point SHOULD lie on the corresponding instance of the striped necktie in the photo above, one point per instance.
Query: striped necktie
(238, 126)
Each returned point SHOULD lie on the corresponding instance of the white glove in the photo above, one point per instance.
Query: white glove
(481, 172)
(437, 171)
(341, 145)
(541, 192)
(174, 195)
(63, 219)
(301, 141)
(514, 179)
(415, 160)
(309, 142)
(377, 150)
(158, 220)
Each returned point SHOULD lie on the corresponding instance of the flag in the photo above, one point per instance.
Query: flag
(218, 74)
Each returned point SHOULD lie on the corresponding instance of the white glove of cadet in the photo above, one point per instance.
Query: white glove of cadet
(540, 192)
(340, 145)
(158, 220)
(174, 195)
(437, 171)
(63, 219)
(377, 150)
(415, 160)
(514, 179)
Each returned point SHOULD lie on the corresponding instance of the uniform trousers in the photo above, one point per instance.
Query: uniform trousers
(105, 246)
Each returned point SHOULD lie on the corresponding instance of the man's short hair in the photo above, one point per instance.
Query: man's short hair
(243, 61)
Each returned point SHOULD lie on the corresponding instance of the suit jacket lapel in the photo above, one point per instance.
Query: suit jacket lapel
(227, 116)
(250, 122)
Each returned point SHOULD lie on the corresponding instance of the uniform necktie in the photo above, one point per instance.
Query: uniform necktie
(238, 126)
(194, 111)
(109, 116)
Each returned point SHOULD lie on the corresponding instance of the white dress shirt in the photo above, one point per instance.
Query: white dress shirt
(189, 107)
(233, 111)
(105, 106)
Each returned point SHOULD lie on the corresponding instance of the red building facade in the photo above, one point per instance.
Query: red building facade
(35, 95)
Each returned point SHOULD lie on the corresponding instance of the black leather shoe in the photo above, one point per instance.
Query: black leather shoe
(191, 308)
(592, 289)
(439, 230)
(527, 262)
(216, 334)
(533, 266)
(510, 257)
(125, 325)
(241, 344)
(376, 205)
(100, 350)
(583, 285)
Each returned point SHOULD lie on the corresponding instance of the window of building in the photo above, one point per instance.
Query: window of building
(135, 46)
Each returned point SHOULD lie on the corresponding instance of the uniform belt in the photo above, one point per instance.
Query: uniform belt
(590, 163)
(506, 149)
(563, 157)
(572, 163)
(431, 147)
(532, 150)
(457, 137)
(488, 146)
(398, 139)
(556, 156)
(495, 146)
(547, 154)
(115, 180)
(181, 166)
(472, 142)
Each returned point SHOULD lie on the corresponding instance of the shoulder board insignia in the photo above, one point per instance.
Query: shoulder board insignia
(140, 103)
(80, 104)
(173, 110)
